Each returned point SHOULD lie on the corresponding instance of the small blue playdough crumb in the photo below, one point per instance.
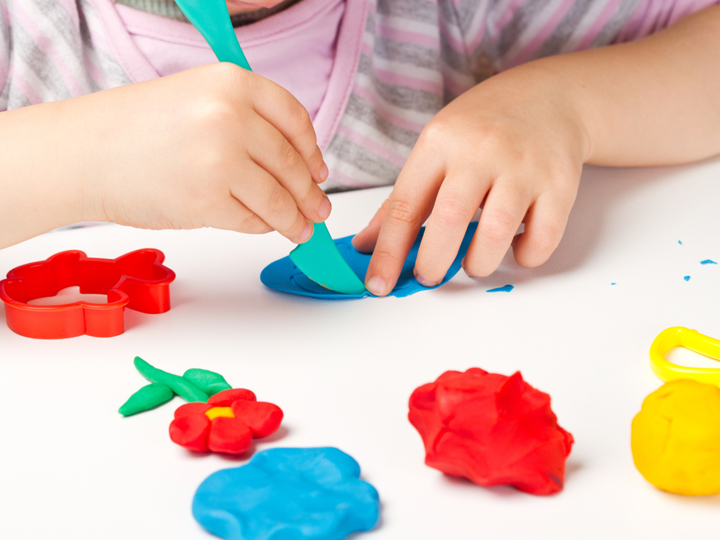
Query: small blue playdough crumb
(288, 493)
(506, 288)
(687, 278)
(679, 242)
(613, 283)
(708, 261)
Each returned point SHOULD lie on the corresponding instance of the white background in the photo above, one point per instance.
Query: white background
(72, 467)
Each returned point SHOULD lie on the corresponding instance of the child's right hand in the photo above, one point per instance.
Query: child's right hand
(215, 146)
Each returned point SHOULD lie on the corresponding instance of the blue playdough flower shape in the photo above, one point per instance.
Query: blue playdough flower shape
(299, 493)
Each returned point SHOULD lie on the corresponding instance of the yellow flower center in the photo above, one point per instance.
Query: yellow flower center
(219, 411)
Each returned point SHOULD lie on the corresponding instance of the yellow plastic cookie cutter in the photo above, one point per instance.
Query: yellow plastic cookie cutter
(678, 336)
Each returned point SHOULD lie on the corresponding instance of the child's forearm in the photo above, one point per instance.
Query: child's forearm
(215, 146)
(40, 172)
(655, 101)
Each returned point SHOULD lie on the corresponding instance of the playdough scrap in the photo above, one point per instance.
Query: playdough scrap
(227, 423)
(284, 276)
(676, 438)
(288, 493)
(492, 430)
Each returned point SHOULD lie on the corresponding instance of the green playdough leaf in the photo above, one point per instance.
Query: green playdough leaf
(148, 397)
(208, 381)
(182, 387)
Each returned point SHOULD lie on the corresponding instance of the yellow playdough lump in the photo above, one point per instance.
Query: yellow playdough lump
(676, 438)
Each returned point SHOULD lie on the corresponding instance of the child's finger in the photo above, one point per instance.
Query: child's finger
(407, 208)
(272, 151)
(365, 240)
(262, 195)
(235, 216)
(282, 110)
(458, 199)
(501, 216)
(544, 227)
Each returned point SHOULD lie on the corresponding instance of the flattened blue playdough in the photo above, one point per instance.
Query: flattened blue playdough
(288, 493)
(284, 276)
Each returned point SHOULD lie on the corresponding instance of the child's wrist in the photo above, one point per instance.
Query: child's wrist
(552, 76)
(544, 83)
(73, 156)
(40, 169)
(87, 149)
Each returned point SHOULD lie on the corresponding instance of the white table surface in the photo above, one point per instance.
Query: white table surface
(72, 467)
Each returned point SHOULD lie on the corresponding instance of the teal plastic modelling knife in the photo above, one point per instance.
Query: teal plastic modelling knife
(318, 258)
(212, 20)
(326, 266)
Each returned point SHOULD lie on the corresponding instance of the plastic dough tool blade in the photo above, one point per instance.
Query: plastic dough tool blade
(212, 19)
(320, 260)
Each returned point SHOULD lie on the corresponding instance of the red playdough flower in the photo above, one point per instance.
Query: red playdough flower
(491, 429)
(227, 423)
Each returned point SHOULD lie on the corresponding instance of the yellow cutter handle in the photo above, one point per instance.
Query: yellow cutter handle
(677, 336)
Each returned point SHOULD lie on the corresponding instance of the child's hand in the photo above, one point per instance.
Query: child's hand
(515, 145)
(215, 146)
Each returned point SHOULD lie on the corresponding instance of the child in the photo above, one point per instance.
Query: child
(463, 102)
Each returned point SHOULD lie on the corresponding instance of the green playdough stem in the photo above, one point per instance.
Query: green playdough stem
(208, 381)
(148, 397)
(320, 260)
(182, 387)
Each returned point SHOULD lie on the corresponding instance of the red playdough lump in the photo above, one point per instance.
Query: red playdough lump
(492, 430)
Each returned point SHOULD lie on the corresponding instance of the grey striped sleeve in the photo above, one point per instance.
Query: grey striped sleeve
(616, 22)
(47, 73)
(5, 44)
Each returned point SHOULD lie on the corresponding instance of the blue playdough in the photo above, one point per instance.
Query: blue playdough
(687, 278)
(708, 261)
(506, 288)
(288, 493)
(284, 276)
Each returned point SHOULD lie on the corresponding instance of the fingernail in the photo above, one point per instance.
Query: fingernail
(376, 285)
(325, 207)
(424, 282)
(323, 172)
(307, 232)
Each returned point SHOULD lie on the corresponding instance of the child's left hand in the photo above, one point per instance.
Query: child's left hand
(514, 144)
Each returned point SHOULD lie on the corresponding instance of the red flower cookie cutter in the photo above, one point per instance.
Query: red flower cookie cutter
(137, 280)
